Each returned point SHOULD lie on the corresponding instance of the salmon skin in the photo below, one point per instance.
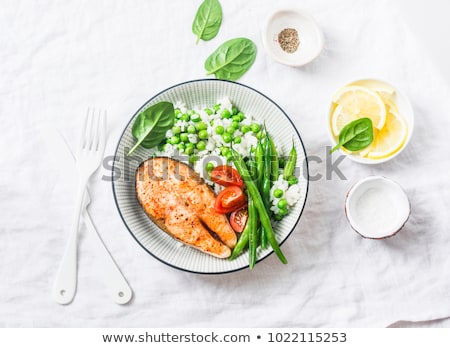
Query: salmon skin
(178, 200)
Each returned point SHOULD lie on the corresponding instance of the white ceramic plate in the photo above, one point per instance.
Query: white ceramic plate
(202, 93)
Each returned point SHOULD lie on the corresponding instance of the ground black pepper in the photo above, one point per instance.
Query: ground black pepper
(288, 40)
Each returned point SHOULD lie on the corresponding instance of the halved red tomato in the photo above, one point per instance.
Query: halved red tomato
(226, 176)
(238, 219)
(230, 199)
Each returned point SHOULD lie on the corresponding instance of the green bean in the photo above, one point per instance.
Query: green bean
(258, 202)
(263, 238)
(266, 184)
(242, 242)
(259, 158)
(252, 167)
(275, 166)
(265, 187)
(290, 164)
(253, 233)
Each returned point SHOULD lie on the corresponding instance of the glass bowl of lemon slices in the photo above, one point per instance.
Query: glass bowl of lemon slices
(389, 110)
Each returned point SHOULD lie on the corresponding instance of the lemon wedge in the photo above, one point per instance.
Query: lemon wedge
(389, 139)
(353, 102)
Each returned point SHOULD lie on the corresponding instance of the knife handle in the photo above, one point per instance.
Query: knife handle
(116, 283)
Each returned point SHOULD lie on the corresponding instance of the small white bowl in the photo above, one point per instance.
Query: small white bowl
(405, 110)
(377, 207)
(309, 33)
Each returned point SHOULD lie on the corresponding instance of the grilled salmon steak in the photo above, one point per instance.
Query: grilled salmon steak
(177, 199)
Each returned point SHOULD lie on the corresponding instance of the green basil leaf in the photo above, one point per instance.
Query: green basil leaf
(151, 125)
(207, 21)
(356, 135)
(232, 59)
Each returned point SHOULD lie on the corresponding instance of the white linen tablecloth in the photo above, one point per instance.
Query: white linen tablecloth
(59, 57)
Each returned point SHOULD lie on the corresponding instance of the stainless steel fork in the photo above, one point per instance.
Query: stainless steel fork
(89, 155)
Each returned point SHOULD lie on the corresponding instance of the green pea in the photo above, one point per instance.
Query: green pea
(284, 211)
(195, 118)
(209, 111)
(229, 156)
(219, 130)
(237, 140)
(202, 125)
(255, 127)
(235, 124)
(236, 118)
(234, 110)
(191, 129)
(216, 107)
(292, 180)
(190, 112)
(226, 137)
(189, 150)
(177, 112)
(193, 158)
(224, 151)
(278, 193)
(226, 113)
(174, 140)
(282, 203)
(278, 217)
(185, 117)
(176, 129)
(245, 129)
(241, 116)
(201, 145)
(231, 130)
(209, 166)
(184, 137)
(181, 146)
(203, 134)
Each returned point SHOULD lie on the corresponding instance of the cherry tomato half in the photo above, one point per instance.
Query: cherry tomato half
(226, 176)
(238, 219)
(230, 199)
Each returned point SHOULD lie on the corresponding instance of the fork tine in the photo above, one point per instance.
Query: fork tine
(83, 132)
(103, 131)
(88, 133)
(96, 131)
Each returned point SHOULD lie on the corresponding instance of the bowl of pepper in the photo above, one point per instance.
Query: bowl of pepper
(292, 37)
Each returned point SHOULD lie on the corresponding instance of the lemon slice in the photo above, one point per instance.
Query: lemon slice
(389, 139)
(382, 88)
(355, 102)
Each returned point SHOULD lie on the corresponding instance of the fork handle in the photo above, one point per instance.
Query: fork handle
(65, 285)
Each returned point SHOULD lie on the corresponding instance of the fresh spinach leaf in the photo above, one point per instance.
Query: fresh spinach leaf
(356, 135)
(151, 125)
(232, 59)
(207, 21)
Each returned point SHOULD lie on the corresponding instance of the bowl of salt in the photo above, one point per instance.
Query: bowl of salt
(377, 207)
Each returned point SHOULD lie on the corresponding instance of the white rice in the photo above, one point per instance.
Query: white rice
(212, 151)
